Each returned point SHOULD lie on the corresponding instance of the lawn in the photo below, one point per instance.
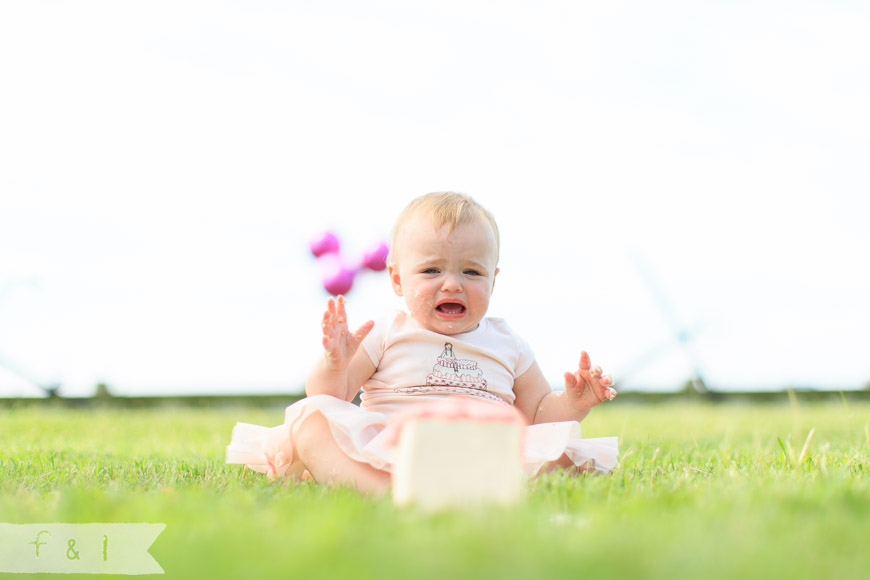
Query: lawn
(701, 491)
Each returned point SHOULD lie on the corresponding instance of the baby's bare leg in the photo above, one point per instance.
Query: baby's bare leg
(317, 449)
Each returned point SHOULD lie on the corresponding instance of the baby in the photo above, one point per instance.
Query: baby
(443, 261)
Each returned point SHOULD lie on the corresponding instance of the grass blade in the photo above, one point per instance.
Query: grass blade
(806, 446)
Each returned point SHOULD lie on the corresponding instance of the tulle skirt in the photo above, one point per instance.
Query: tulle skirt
(368, 437)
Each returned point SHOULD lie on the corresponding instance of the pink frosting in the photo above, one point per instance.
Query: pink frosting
(457, 409)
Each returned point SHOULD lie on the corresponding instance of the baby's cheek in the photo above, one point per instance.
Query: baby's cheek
(421, 301)
(417, 303)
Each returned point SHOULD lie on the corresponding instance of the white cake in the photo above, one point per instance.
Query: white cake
(443, 463)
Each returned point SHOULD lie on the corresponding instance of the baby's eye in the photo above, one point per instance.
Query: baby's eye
(472, 273)
(430, 271)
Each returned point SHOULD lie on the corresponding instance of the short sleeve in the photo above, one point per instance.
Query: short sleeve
(517, 355)
(525, 355)
(375, 343)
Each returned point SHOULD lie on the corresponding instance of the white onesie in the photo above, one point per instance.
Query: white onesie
(415, 364)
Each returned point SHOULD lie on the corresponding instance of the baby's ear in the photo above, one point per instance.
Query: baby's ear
(395, 279)
(494, 276)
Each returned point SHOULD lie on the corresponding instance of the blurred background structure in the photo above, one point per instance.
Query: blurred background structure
(682, 187)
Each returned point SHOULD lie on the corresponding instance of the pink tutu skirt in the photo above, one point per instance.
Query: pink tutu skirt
(369, 436)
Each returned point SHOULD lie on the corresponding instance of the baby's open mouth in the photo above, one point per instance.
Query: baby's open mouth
(450, 308)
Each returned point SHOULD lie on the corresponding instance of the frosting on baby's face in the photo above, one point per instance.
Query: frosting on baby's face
(446, 278)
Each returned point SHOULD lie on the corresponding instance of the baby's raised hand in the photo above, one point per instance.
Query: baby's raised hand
(587, 387)
(338, 342)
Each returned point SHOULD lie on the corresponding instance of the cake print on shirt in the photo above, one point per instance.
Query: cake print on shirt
(450, 371)
(453, 376)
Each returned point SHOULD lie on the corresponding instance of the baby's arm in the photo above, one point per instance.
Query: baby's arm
(344, 367)
(584, 389)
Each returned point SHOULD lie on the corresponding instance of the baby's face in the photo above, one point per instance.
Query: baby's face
(446, 280)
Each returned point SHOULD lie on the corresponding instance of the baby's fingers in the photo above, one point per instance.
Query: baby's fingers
(606, 385)
(585, 363)
(340, 310)
(329, 314)
(363, 331)
(335, 315)
(571, 381)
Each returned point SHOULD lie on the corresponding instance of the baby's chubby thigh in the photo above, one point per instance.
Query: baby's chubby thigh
(328, 463)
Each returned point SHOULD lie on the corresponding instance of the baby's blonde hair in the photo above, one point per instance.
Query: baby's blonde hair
(446, 208)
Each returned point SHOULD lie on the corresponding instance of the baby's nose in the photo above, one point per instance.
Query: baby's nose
(451, 283)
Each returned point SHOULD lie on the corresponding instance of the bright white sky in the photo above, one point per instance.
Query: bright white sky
(163, 165)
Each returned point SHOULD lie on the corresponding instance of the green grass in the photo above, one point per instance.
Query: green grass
(729, 491)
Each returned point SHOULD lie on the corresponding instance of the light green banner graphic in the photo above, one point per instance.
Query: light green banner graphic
(79, 548)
